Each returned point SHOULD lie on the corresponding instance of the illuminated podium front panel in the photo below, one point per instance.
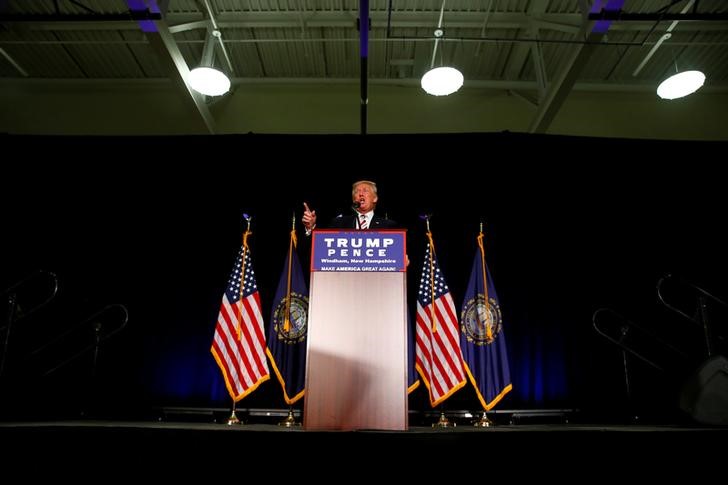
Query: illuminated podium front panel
(356, 364)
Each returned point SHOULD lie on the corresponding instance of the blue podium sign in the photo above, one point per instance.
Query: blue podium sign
(358, 251)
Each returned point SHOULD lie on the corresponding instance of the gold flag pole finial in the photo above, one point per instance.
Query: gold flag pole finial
(293, 230)
(239, 306)
(432, 273)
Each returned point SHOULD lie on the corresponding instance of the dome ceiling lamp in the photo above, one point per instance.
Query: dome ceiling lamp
(209, 81)
(443, 80)
(205, 78)
(681, 84)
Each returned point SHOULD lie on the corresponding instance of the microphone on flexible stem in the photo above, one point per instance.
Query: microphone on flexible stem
(355, 205)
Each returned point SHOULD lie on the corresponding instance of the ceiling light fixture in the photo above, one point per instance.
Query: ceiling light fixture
(209, 81)
(680, 84)
(205, 79)
(443, 80)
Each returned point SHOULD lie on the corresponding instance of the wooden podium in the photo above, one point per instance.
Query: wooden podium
(356, 362)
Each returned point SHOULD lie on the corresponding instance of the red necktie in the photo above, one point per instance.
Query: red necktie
(362, 221)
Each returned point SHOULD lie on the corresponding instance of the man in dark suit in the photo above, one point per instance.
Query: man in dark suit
(364, 201)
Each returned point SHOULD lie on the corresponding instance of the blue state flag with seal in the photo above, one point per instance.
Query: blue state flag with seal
(482, 339)
(289, 327)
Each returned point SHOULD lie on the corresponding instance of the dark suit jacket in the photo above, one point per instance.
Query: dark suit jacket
(350, 222)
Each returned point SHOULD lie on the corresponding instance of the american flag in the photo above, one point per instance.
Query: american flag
(438, 357)
(239, 342)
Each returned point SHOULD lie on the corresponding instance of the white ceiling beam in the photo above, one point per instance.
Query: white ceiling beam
(520, 51)
(426, 19)
(525, 86)
(162, 43)
(328, 40)
(539, 67)
(196, 25)
(13, 62)
(565, 79)
(179, 22)
(561, 86)
(594, 33)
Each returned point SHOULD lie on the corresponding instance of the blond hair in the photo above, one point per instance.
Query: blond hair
(361, 182)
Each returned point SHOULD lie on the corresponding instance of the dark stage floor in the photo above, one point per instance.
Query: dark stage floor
(163, 427)
(581, 451)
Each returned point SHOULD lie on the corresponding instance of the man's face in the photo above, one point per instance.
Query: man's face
(364, 194)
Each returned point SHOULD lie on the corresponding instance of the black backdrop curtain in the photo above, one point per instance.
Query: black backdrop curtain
(572, 225)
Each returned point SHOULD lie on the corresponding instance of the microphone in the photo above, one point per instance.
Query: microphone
(354, 206)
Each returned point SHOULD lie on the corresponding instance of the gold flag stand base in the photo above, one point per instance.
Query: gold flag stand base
(233, 419)
(443, 422)
(290, 420)
(483, 422)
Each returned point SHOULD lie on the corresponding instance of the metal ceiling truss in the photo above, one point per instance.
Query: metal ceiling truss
(533, 28)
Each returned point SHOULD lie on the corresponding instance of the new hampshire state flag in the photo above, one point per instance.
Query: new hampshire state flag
(289, 327)
(481, 337)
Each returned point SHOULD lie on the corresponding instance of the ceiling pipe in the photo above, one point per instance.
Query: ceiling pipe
(218, 35)
(665, 36)
(438, 33)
